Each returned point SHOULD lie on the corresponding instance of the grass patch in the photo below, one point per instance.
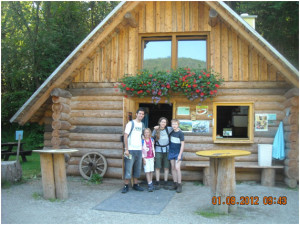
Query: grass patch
(208, 213)
(36, 196)
(198, 183)
(5, 185)
(30, 169)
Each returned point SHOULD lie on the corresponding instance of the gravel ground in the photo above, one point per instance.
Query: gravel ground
(22, 204)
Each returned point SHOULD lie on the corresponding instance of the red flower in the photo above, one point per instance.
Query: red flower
(211, 92)
(176, 81)
(159, 92)
(208, 82)
(132, 89)
(150, 75)
(197, 90)
(194, 85)
(145, 84)
(163, 85)
(200, 77)
(202, 94)
(216, 85)
(154, 79)
(207, 75)
(189, 86)
(168, 86)
(126, 96)
(149, 82)
(215, 91)
(127, 89)
(195, 81)
(176, 85)
(148, 91)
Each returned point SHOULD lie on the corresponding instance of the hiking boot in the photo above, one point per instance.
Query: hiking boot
(174, 186)
(137, 187)
(150, 187)
(166, 186)
(125, 189)
(179, 188)
(156, 185)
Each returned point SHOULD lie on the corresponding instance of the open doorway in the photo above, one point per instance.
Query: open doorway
(154, 112)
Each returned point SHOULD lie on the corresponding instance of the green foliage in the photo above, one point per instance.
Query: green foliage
(36, 196)
(96, 179)
(194, 84)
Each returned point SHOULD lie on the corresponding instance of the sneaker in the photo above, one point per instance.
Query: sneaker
(179, 188)
(150, 187)
(137, 187)
(125, 189)
(174, 186)
(156, 185)
(166, 186)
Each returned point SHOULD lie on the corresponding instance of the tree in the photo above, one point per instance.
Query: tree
(277, 22)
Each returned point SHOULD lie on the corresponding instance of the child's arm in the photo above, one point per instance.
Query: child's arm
(181, 150)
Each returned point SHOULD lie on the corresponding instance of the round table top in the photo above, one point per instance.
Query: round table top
(223, 153)
(56, 151)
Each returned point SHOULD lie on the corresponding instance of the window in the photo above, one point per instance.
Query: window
(167, 52)
(233, 122)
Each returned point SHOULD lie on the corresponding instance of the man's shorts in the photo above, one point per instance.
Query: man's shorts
(134, 164)
(161, 159)
(149, 167)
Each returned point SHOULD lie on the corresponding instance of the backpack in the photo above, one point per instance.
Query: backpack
(157, 142)
(132, 126)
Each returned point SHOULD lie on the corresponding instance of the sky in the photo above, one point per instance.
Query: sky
(195, 49)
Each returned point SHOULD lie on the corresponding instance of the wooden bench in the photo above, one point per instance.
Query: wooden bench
(267, 173)
(9, 151)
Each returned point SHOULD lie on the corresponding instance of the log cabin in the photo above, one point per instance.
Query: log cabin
(80, 108)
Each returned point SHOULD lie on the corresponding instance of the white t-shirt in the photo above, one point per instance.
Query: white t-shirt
(135, 139)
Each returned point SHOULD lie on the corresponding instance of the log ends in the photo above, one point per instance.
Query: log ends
(213, 17)
(60, 93)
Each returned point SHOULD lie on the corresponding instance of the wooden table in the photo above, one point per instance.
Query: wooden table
(6, 152)
(222, 176)
(54, 176)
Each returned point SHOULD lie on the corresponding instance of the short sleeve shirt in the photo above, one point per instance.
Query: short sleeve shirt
(175, 141)
(135, 138)
(163, 140)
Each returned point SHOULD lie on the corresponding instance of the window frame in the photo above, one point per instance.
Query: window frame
(250, 130)
(174, 37)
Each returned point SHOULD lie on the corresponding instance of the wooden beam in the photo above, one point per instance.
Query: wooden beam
(246, 35)
(130, 20)
(43, 96)
(213, 17)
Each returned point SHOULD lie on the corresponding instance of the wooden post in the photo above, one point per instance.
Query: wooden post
(268, 177)
(47, 175)
(61, 188)
(222, 174)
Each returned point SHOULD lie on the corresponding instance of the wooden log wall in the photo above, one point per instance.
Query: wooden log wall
(228, 53)
(97, 125)
(60, 115)
(291, 137)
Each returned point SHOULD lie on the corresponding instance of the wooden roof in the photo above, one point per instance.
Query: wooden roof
(63, 75)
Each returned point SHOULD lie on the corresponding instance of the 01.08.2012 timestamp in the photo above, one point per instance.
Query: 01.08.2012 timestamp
(249, 200)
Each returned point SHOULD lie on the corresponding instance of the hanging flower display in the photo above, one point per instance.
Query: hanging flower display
(194, 84)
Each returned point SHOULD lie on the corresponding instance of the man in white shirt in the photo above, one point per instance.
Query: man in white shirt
(133, 151)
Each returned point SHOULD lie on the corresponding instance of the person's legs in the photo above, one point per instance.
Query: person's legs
(174, 174)
(178, 171)
(137, 166)
(157, 166)
(127, 175)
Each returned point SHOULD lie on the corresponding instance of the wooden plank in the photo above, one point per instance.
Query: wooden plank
(162, 16)
(264, 70)
(101, 65)
(216, 52)
(126, 49)
(121, 54)
(235, 57)
(142, 22)
(272, 73)
(253, 76)
(60, 177)
(207, 27)
(168, 16)
(230, 56)
(112, 62)
(224, 52)
(174, 19)
(96, 66)
(157, 16)
(179, 24)
(132, 50)
(47, 176)
(91, 72)
(194, 15)
(150, 17)
(245, 65)
(201, 13)
(186, 16)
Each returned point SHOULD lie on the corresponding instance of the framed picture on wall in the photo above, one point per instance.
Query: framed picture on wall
(183, 111)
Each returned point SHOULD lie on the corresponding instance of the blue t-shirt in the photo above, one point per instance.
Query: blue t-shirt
(175, 141)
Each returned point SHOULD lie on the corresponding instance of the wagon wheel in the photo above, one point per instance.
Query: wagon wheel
(91, 163)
